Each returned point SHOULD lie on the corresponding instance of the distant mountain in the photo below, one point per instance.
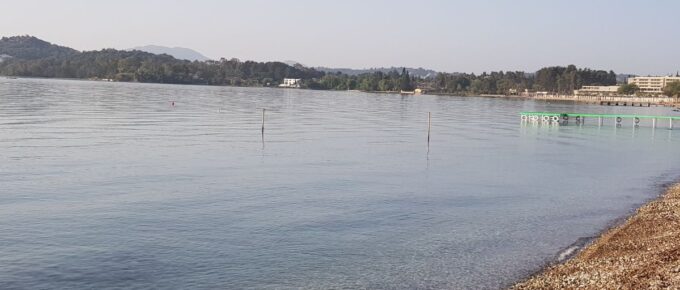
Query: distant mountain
(176, 52)
(29, 47)
(418, 72)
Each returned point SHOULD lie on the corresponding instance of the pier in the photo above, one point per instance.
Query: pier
(554, 118)
(609, 100)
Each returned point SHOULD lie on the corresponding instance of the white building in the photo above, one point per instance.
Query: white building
(290, 83)
(653, 85)
(596, 90)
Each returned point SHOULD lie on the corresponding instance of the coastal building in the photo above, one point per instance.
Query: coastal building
(290, 83)
(652, 85)
(417, 91)
(596, 90)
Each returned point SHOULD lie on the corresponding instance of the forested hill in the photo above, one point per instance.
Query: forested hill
(32, 57)
(416, 72)
(176, 52)
(29, 47)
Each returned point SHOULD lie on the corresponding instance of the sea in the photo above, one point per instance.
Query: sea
(153, 186)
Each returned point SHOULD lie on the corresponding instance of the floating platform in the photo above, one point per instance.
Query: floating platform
(580, 118)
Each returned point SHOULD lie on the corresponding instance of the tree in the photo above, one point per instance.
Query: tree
(628, 89)
(672, 89)
(566, 79)
(405, 81)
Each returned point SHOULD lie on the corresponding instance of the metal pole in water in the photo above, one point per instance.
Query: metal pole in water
(654, 123)
(599, 121)
(670, 122)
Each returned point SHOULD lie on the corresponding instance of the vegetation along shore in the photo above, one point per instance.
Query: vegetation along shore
(642, 253)
(28, 56)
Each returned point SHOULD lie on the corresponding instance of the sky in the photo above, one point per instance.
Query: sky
(637, 37)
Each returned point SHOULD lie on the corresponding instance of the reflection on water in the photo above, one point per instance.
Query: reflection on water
(108, 185)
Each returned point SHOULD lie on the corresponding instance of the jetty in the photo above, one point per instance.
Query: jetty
(556, 118)
(607, 100)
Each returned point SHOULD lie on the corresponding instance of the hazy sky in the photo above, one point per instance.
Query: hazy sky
(639, 37)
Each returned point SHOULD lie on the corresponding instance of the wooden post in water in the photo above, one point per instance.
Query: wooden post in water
(429, 127)
(263, 121)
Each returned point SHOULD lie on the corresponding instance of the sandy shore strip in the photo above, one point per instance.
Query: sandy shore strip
(642, 253)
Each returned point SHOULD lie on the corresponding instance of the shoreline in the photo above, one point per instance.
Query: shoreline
(675, 102)
(641, 252)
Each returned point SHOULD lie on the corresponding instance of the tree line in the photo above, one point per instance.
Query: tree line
(554, 79)
(33, 57)
(138, 66)
(378, 81)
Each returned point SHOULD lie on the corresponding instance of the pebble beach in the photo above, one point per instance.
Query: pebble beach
(642, 253)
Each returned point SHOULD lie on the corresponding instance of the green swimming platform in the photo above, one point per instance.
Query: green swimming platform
(580, 118)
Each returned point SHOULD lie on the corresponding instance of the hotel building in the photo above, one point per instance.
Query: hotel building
(596, 90)
(653, 85)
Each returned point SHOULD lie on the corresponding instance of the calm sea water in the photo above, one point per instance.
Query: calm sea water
(109, 186)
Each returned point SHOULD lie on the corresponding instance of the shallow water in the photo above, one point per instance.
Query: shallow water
(107, 185)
